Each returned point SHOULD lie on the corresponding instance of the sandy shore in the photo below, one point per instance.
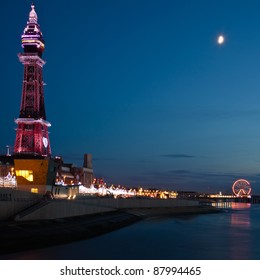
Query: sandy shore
(22, 236)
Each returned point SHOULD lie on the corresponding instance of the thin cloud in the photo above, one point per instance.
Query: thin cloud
(178, 156)
(103, 159)
(181, 172)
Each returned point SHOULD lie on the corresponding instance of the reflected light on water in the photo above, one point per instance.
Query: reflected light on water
(240, 219)
(237, 205)
(232, 205)
(238, 233)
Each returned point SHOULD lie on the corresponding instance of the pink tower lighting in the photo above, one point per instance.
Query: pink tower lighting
(32, 135)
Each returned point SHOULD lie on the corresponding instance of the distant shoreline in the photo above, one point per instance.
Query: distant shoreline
(22, 236)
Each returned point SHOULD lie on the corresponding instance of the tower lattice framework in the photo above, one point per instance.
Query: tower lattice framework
(32, 135)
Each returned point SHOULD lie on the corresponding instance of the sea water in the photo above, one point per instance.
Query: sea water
(232, 234)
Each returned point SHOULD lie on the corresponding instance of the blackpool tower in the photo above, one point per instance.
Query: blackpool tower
(32, 137)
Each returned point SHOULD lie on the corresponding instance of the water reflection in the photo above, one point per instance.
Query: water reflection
(240, 219)
(232, 205)
(222, 204)
(241, 243)
(238, 205)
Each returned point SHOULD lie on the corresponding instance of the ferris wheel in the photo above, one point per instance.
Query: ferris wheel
(241, 188)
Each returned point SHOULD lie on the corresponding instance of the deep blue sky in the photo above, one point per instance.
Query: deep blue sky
(143, 86)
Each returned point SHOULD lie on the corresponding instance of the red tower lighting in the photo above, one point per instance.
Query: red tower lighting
(32, 135)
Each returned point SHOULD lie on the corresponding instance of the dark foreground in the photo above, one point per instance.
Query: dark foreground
(22, 236)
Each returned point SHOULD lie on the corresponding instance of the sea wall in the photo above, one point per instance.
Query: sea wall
(89, 205)
(13, 201)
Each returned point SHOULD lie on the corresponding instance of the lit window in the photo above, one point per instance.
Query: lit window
(34, 190)
(27, 174)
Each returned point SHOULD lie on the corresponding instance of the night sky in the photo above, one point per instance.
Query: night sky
(144, 87)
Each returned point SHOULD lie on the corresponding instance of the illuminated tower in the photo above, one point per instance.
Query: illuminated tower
(32, 136)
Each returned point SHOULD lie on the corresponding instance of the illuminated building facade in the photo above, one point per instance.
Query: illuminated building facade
(32, 135)
(68, 174)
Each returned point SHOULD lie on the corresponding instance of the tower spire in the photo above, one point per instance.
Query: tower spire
(33, 18)
(32, 135)
(32, 39)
